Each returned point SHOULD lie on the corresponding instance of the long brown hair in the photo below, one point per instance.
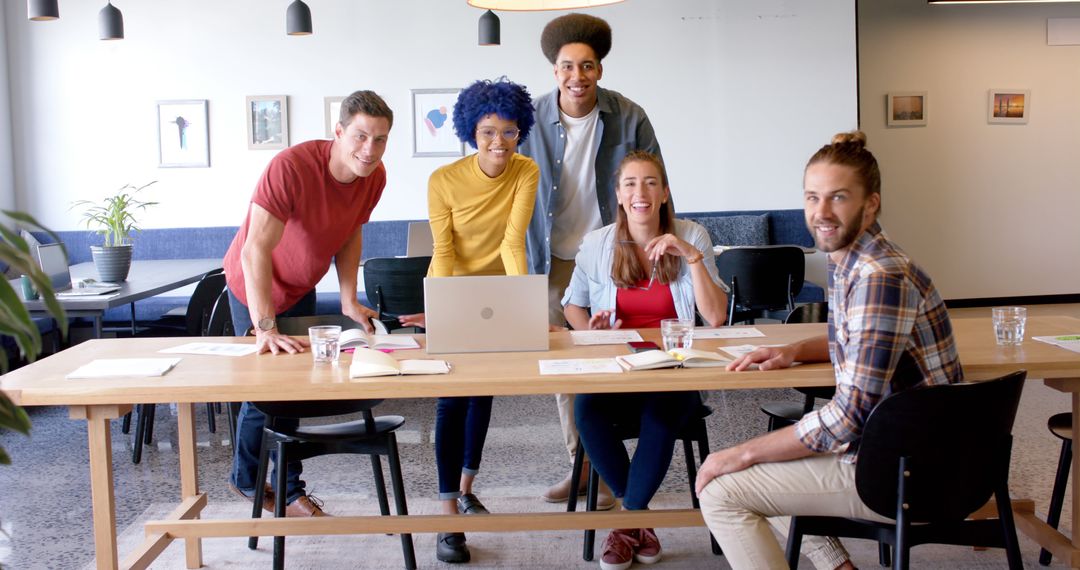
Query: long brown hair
(626, 268)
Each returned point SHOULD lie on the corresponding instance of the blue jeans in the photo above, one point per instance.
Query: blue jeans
(250, 421)
(461, 426)
(657, 419)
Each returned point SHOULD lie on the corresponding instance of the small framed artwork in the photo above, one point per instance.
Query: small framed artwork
(183, 134)
(906, 109)
(267, 122)
(1009, 106)
(433, 123)
(332, 107)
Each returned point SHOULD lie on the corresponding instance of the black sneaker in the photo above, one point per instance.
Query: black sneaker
(450, 547)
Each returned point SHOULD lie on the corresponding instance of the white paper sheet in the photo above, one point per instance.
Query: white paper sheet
(728, 332)
(124, 367)
(739, 350)
(211, 348)
(579, 366)
(617, 336)
(1066, 341)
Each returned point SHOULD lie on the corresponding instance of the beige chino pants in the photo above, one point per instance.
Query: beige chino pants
(739, 507)
(558, 280)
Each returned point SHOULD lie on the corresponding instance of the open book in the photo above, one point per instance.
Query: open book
(356, 338)
(685, 357)
(367, 362)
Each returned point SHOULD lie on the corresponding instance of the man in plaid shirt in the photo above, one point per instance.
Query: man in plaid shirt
(888, 331)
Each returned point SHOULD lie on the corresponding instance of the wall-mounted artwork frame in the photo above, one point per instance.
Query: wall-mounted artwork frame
(1008, 106)
(267, 122)
(906, 109)
(183, 134)
(332, 111)
(433, 123)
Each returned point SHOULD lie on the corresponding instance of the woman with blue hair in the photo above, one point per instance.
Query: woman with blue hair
(479, 208)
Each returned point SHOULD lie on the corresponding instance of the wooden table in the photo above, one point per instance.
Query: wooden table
(148, 277)
(206, 378)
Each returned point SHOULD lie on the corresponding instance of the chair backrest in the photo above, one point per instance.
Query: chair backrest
(957, 441)
(314, 408)
(395, 285)
(220, 317)
(809, 313)
(201, 305)
(764, 277)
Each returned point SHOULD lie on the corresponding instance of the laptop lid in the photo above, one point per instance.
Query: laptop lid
(493, 313)
(421, 243)
(54, 263)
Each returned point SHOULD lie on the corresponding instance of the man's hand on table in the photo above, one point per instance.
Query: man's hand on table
(766, 357)
(274, 342)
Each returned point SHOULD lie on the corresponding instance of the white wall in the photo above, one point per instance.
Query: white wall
(989, 210)
(7, 177)
(740, 91)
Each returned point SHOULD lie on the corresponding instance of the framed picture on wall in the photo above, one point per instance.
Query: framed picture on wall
(332, 109)
(906, 109)
(183, 134)
(433, 123)
(267, 122)
(1009, 106)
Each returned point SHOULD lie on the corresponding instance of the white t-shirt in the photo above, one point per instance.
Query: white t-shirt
(576, 211)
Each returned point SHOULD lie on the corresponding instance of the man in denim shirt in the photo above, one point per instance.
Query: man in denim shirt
(581, 135)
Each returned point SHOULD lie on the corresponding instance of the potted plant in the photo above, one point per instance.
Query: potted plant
(114, 218)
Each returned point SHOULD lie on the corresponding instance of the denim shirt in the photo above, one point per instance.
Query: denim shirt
(623, 127)
(591, 285)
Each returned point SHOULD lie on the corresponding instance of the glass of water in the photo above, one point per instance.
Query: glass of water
(325, 343)
(1009, 325)
(677, 333)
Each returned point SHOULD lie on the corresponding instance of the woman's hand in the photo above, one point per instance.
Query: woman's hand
(669, 244)
(602, 320)
(414, 320)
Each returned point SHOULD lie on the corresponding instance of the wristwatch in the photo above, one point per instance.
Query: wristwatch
(266, 324)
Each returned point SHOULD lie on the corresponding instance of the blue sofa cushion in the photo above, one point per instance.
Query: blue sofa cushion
(736, 230)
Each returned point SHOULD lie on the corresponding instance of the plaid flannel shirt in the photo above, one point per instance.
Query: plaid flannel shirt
(884, 312)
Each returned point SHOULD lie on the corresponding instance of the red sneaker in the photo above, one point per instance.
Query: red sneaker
(617, 553)
(648, 550)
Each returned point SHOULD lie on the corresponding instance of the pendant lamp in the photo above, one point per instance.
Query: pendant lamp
(298, 19)
(489, 29)
(110, 23)
(42, 10)
(533, 5)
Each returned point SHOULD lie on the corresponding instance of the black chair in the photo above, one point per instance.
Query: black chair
(395, 286)
(695, 431)
(928, 458)
(193, 320)
(762, 279)
(1061, 426)
(782, 414)
(370, 435)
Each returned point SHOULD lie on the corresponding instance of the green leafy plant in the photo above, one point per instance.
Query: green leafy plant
(15, 320)
(114, 217)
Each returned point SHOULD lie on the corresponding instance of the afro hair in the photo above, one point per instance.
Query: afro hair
(501, 97)
(576, 28)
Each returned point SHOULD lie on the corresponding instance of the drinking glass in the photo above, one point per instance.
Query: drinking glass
(1009, 325)
(677, 333)
(325, 343)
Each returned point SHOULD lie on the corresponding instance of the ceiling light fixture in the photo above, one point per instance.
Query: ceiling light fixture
(110, 23)
(298, 19)
(489, 29)
(42, 10)
(534, 5)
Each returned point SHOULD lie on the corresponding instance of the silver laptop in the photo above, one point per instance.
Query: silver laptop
(496, 313)
(421, 243)
(54, 263)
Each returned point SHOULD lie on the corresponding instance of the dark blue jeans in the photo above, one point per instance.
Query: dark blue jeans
(656, 418)
(250, 422)
(461, 426)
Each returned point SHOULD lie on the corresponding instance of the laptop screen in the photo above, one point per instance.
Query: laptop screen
(54, 263)
(421, 243)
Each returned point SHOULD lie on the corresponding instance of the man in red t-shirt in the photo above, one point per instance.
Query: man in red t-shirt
(309, 208)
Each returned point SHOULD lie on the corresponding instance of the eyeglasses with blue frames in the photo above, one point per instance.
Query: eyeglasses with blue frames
(489, 133)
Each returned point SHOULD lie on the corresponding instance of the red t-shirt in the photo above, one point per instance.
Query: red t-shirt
(644, 309)
(320, 215)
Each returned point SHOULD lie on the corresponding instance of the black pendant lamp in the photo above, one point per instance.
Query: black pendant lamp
(42, 10)
(489, 29)
(110, 23)
(298, 19)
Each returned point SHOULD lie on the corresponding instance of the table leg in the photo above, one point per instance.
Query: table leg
(189, 474)
(101, 479)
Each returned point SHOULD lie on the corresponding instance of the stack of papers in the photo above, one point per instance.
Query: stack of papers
(125, 367)
(1067, 341)
(606, 336)
(212, 348)
(579, 366)
(727, 332)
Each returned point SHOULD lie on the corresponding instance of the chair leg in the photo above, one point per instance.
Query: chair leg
(151, 414)
(1057, 497)
(398, 484)
(575, 479)
(280, 483)
(691, 474)
(125, 426)
(211, 421)
(884, 555)
(380, 485)
(794, 543)
(590, 505)
(234, 411)
(260, 480)
(1008, 527)
(140, 432)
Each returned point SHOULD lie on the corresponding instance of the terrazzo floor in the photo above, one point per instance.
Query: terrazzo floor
(45, 498)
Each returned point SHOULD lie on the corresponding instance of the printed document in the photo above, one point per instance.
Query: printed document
(617, 336)
(579, 366)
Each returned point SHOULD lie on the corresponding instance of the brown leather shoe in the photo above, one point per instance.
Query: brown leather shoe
(305, 506)
(268, 496)
(560, 492)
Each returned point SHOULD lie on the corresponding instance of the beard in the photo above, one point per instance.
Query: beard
(847, 231)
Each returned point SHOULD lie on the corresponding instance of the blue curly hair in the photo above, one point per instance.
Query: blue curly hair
(501, 97)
